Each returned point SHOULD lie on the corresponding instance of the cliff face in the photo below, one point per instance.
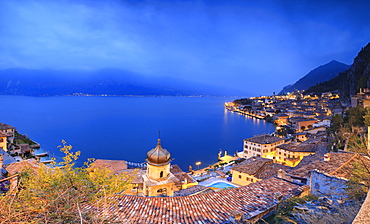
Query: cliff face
(359, 72)
(349, 82)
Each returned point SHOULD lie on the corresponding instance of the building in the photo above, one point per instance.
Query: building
(9, 130)
(339, 164)
(261, 146)
(158, 180)
(281, 119)
(255, 169)
(292, 154)
(3, 141)
(300, 124)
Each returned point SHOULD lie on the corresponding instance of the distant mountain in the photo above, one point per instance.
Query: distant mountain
(350, 81)
(101, 82)
(321, 74)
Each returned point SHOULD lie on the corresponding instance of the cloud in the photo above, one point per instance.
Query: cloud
(231, 43)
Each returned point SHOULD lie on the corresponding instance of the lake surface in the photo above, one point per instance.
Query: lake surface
(191, 128)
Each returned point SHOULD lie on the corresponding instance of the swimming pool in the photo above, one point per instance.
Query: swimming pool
(222, 185)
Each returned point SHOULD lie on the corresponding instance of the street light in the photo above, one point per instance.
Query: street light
(198, 163)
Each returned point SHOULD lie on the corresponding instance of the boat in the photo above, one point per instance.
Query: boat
(41, 154)
(47, 161)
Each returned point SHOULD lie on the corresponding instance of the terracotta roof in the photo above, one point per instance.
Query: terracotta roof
(137, 174)
(341, 164)
(261, 168)
(181, 175)
(215, 207)
(184, 176)
(175, 169)
(5, 126)
(23, 165)
(113, 165)
(197, 189)
(270, 170)
(265, 139)
(298, 148)
(252, 160)
(251, 168)
(346, 170)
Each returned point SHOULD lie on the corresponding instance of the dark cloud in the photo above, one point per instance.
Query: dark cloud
(241, 44)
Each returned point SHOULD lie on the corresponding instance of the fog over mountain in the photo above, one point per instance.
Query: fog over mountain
(49, 82)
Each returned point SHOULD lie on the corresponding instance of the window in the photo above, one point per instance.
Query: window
(240, 176)
(161, 174)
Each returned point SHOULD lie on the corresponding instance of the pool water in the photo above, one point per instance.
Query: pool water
(221, 185)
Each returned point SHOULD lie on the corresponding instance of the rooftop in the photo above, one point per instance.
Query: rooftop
(5, 126)
(197, 189)
(23, 165)
(113, 165)
(341, 164)
(298, 148)
(261, 168)
(264, 139)
(215, 207)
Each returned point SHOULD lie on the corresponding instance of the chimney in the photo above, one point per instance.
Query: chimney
(327, 157)
(281, 174)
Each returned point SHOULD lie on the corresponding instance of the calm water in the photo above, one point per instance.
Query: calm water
(192, 128)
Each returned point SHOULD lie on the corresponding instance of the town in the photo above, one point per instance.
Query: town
(298, 159)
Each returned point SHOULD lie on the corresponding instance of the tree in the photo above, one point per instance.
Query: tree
(355, 116)
(62, 193)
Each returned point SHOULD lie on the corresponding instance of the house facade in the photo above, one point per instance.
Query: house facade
(261, 146)
(291, 155)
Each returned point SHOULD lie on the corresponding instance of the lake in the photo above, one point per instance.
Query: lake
(191, 128)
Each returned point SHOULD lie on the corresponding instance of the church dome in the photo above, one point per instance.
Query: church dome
(158, 155)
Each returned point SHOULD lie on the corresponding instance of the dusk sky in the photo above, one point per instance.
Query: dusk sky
(254, 46)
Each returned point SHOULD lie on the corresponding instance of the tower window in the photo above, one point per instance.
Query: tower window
(161, 174)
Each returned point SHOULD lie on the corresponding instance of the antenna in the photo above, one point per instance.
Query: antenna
(159, 134)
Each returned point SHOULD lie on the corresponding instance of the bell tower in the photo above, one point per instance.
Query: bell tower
(158, 163)
(158, 180)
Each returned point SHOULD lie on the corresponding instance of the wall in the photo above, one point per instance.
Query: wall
(243, 178)
(363, 215)
(326, 185)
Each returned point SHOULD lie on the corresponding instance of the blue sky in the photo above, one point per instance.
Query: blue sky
(254, 46)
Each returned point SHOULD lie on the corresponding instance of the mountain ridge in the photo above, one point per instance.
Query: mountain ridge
(351, 81)
(320, 74)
